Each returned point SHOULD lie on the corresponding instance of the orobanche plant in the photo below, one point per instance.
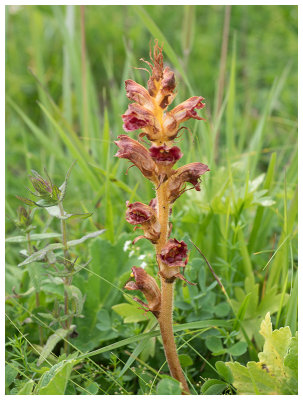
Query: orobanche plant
(148, 112)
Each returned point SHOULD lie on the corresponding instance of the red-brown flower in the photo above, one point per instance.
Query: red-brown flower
(165, 155)
(182, 113)
(174, 253)
(148, 286)
(138, 155)
(137, 117)
(141, 214)
(188, 173)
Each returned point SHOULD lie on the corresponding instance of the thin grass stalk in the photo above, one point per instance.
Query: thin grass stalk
(37, 295)
(221, 84)
(84, 73)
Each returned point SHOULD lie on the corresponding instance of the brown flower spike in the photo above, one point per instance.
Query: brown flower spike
(148, 113)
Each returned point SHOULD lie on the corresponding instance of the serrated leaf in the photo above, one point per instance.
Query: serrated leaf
(169, 386)
(52, 341)
(270, 375)
(54, 381)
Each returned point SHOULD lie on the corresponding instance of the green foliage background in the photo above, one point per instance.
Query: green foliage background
(244, 219)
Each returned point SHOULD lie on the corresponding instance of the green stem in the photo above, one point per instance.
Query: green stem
(30, 251)
(66, 281)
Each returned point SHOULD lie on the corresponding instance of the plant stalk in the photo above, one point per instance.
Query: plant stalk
(167, 297)
(66, 256)
(30, 251)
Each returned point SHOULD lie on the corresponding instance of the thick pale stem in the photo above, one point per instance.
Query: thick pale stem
(167, 298)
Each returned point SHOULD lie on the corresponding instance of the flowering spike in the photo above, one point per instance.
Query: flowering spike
(148, 112)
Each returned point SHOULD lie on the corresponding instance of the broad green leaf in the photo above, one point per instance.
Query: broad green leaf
(213, 387)
(271, 375)
(224, 371)
(52, 341)
(10, 374)
(54, 381)
(130, 313)
(27, 388)
(185, 360)
(214, 344)
(222, 309)
(169, 386)
(237, 349)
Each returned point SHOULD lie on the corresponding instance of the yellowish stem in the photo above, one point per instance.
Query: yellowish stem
(167, 298)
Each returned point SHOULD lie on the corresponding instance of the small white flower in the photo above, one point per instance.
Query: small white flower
(143, 265)
(126, 245)
(141, 257)
(131, 253)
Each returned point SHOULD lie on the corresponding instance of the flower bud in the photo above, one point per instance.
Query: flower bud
(148, 286)
(138, 155)
(166, 94)
(141, 214)
(188, 173)
(174, 253)
(24, 218)
(180, 114)
(41, 185)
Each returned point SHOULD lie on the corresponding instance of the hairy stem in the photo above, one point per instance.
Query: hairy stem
(167, 298)
(66, 256)
(30, 251)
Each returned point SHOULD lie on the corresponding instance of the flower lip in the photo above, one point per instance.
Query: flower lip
(188, 173)
(164, 154)
(136, 117)
(138, 213)
(174, 253)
